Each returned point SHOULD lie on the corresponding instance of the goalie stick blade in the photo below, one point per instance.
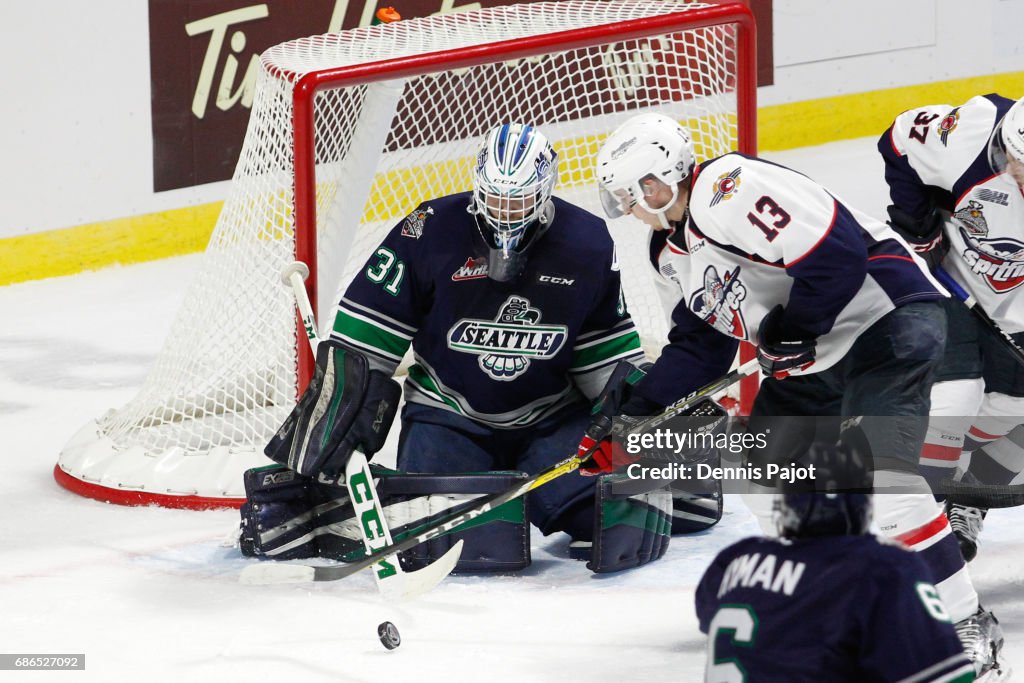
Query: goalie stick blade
(267, 573)
(409, 585)
(405, 586)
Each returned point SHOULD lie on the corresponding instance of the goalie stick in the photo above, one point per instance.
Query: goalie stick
(295, 573)
(393, 582)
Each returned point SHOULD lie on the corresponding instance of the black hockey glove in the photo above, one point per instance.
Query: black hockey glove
(924, 235)
(780, 354)
(346, 406)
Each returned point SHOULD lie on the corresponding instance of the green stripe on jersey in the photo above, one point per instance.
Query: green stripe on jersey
(605, 350)
(372, 335)
(419, 376)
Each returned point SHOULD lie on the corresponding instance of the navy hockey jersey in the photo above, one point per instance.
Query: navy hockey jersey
(938, 155)
(841, 609)
(505, 354)
(757, 234)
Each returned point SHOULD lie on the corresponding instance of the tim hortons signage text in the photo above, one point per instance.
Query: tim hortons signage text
(204, 57)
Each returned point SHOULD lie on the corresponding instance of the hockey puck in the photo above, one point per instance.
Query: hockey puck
(388, 634)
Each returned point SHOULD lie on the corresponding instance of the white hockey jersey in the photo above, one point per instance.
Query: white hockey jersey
(939, 154)
(757, 235)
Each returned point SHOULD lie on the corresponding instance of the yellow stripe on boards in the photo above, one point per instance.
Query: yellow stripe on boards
(183, 231)
(98, 245)
(844, 117)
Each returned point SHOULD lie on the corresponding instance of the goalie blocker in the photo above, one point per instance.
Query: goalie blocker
(287, 516)
(346, 406)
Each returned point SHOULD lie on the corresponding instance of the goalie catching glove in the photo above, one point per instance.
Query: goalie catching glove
(346, 406)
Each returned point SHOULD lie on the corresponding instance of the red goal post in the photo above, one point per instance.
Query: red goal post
(348, 133)
(309, 84)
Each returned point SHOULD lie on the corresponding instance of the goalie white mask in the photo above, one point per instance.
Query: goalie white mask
(1006, 146)
(516, 172)
(645, 148)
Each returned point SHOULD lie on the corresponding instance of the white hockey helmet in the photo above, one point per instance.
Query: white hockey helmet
(1007, 144)
(645, 146)
(516, 172)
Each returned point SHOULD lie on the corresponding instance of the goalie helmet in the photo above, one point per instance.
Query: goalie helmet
(648, 146)
(516, 172)
(1006, 145)
(836, 502)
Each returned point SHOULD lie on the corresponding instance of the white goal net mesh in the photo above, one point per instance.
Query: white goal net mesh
(226, 377)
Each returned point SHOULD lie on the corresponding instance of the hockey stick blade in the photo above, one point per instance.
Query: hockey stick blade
(393, 582)
(982, 495)
(422, 580)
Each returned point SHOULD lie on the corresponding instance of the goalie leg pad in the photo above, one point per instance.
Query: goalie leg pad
(346, 406)
(497, 541)
(276, 518)
(630, 529)
(287, 516)
(696, 505)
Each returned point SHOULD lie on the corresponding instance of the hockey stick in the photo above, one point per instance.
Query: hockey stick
(959, 292)
(392, 581)
(293, 573)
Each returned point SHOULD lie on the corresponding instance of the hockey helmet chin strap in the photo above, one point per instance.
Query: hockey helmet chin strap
(620, 202)
(504, 264)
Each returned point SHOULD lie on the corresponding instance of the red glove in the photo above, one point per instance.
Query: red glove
(604, 456)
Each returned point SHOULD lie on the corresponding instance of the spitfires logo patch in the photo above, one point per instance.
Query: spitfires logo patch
(507, 344)
(718, 303)
(947, 124)
(726, 185)
(413, 225)
(472, 269)
(998, 261)
(973, 218)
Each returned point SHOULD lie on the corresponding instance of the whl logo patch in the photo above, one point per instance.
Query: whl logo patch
(472, 269)
(506, 344)
(718, 303)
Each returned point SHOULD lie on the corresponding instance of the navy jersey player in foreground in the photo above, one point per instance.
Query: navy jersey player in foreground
(512, 302)
(846, 318)
(510, 299)
(827, 601)
(956, 181)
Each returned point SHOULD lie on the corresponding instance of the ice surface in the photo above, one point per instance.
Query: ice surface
(150, 594)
